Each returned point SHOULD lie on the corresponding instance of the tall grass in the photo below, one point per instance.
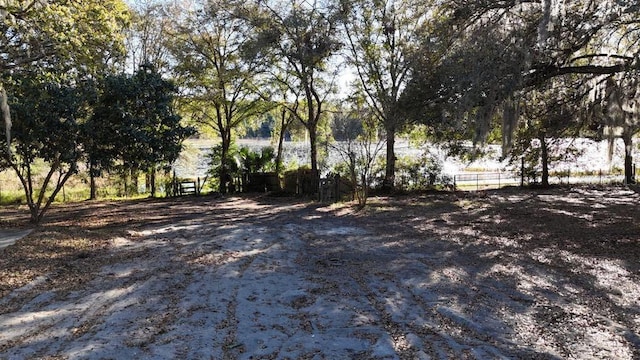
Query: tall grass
(75, 190)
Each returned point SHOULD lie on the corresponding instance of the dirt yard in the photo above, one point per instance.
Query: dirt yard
(549, 274)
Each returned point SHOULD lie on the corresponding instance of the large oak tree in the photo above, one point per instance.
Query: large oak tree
(47, 114)
(302, 38)
(218, 65)
(382, 37)
(134, 125)
(86, 35)
(48, 51)
(499, 50)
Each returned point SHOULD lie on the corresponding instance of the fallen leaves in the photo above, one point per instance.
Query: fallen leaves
(525, 267)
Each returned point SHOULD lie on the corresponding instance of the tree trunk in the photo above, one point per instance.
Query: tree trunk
(364, 194)
(279, 155)
(390, 168)
(93, 191)
(313, 138)
(36, 208)
(313, 142)
(224, 173)
(313, 116)
(152, 181)
(544, 158)
(353, 175)
(6, 116)
(134, 181)
(27, 182)
(125, 181)
(629, 176)
(43, 209)
(225, 162)
(283, 129)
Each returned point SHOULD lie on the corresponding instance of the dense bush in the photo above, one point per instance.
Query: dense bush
(420, 172)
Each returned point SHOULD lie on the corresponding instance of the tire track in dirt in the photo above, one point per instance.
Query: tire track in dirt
(345, 271)
(424, 324)
(312, 285)
(269, 294)
(231, 346)
(233, 270)
(424, 303)
(206, 321)
(404, 341)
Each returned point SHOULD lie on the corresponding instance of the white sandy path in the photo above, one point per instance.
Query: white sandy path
(240, 294)
(316, 289)
(244, 296)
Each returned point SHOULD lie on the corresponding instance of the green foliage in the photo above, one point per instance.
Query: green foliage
(358, 145)
(254, 161)
(548, 116)
(241, 160)
(149, 33)
(421, 172)
(492, 54)
(46, 117)
(82, 36)
(300, 39)
(382, 37)
(139, 110)
(222, 165)
(238, 163)
(15, 197)
(528, 147)
(261, 129)
(220, 64)
(134, 124)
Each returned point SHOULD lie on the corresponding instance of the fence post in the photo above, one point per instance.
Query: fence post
(175, 184)
(600, 176)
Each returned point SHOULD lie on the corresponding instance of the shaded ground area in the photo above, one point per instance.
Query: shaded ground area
(552, 274)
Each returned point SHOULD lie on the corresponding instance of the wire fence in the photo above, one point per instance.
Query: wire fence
(493, 180)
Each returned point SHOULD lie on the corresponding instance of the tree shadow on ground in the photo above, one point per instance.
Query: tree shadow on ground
(476, 275)
(568, 256)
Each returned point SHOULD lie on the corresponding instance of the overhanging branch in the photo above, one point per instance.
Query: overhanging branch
(543, 73)
(612, 56)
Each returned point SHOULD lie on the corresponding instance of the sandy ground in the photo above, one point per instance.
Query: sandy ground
(499, 275)
(10, 236)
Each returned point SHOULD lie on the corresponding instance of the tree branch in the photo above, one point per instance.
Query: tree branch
(591, 56)
(546, 72)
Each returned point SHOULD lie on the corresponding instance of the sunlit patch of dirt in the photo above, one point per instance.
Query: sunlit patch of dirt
(550, 272)
(573, 253)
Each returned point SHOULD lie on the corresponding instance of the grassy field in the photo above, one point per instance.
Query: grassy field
(76, 189)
